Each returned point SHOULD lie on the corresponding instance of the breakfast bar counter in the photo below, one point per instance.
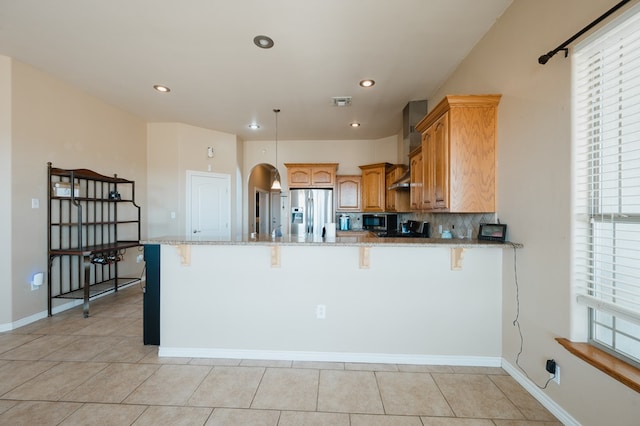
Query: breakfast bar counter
(357, 299)
(357, 239)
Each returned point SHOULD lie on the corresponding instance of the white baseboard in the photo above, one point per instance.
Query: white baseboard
(538, 394)
(38, 316)
(476, 361)
(55, 310)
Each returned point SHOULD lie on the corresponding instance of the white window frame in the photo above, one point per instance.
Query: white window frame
(606, 237)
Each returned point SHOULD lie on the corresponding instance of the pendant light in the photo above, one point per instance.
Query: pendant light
(276, 186)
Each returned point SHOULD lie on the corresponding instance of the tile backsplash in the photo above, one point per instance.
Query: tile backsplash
(460, 224)
(464, 224)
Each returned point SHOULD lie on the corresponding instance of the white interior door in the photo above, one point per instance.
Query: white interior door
(209, 205)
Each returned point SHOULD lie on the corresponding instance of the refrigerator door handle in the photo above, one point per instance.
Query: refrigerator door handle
(306, 206)
(312, 218)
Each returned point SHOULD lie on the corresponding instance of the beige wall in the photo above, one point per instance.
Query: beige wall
(174, 148)
(534, 195)
(51, 121)
(5, 192)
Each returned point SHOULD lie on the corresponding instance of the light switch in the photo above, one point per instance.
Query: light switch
(35, 203)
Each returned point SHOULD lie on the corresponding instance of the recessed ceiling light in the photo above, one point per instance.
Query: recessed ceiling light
(161, 88)
(263, 42)
(254, 126)
(367, 83)
(355, 124)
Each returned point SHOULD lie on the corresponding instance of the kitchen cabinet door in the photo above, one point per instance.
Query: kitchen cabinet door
(416, 182)
(440, 163)
(373, 187)
(348, 189)
(299, 176)
(427, 170)
(435, 167)
(323, 176)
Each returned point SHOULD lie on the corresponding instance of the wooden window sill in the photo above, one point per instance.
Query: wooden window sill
(608, 364)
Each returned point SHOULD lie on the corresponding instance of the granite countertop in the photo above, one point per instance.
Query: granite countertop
(356, 240)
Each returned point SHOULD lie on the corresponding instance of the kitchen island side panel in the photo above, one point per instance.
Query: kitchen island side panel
(408, 301)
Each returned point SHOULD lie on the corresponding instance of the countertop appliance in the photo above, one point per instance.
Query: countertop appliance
(310, 210)
(345, 222)
(380, 222)
(409, 229)
(493, 232)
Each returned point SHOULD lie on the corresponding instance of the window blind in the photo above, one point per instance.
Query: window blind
(607, 182)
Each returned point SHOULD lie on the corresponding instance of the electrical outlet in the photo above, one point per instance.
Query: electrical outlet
(553, 369)
(321, 311)
(556, 378)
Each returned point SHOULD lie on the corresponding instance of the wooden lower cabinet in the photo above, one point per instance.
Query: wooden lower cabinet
(348, 189)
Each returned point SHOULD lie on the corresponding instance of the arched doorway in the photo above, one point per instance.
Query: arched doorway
(264, 204)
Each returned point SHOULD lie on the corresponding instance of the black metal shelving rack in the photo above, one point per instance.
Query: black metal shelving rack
(92, 220)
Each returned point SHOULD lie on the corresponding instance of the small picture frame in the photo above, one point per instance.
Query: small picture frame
(492, 232)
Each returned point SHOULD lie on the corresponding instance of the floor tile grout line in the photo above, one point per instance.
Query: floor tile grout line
(255, 392)
(211, 369)
(138, 387)
(318, 390)
(375, 375)
(524, 416)
(442, 393)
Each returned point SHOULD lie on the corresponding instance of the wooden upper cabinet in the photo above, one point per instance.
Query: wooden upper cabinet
(396, 200)
(415, 189)
(374, 187)
(440, 163)
(459, 154)
(311, 175)
(348, 189)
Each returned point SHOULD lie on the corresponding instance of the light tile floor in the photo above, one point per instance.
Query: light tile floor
(69, 370)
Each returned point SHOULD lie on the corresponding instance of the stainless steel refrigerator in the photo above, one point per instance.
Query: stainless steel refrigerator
(309, 210)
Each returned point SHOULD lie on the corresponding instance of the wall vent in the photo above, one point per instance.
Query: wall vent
(341, 101)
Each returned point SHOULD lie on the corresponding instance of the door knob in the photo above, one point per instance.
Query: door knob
(195, 231)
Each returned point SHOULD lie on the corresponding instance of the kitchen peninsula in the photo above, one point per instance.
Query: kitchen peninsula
(357, 299)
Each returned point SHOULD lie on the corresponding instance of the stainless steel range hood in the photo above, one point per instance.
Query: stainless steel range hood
(412, 113)
(403, 182)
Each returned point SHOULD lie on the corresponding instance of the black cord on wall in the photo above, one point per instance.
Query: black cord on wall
(516, 322)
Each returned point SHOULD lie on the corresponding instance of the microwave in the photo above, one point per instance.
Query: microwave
(380, 222)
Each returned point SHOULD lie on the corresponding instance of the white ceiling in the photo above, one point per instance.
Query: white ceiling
(203, 50)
